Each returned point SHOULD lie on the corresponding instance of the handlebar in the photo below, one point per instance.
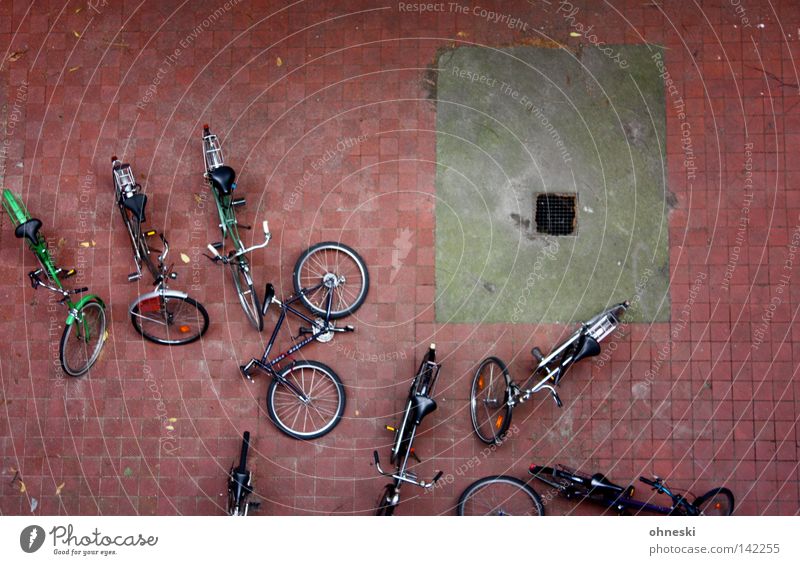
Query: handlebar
(216, 256)
(403, 477)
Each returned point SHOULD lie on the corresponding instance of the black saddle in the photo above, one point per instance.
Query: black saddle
(589, 348)
(29, 230)
(223, 178)
(600, 482)
(421, 406)
(136, 204)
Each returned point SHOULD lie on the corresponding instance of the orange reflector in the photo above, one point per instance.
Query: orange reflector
(499, 422)
(480, 382)
(718, 506)
(150, 233)
(390, 428)
(184, 329)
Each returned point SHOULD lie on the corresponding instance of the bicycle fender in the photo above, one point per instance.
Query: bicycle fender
(156, 294)
(82, 302)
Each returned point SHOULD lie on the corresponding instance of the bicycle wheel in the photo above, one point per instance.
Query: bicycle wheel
(83, 339)
(500, 495)
(340, 270)
(489, 408)
(247, 294)
(169, 320)
(716, 502)
(314, 417)
(385, 505)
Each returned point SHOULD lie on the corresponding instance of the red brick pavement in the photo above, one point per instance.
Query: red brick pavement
(282, 85)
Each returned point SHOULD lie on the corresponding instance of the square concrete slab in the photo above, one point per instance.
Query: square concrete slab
(551, 185)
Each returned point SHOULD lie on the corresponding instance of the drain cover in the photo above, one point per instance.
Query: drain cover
(555, 214)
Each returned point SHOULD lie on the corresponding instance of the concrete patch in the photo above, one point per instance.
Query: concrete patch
(516, 122)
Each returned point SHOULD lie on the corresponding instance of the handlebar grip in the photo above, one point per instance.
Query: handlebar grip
(213, 250)
(79, 290)
(306, 331)
(437, 477)
(648, 482)
(375, 457)
(557, 399)
(265, 225)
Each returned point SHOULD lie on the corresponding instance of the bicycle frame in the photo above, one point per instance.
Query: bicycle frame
(226, 204)
(558, 361)
(318, 329)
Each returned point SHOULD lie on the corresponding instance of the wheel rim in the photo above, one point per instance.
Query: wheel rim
(500, 497)
(718, 504)
(488, 401)
(384, 505)
(339, 271)
(169, 319)
(246, 292)
(315, 416)
(85, 338)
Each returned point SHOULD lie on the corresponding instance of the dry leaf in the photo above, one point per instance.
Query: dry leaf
(574, 34)
(173, 420)
(170, 428)
(78, 10)
(76, 34)
(16, 55)
(73, 69)
(279, 61)
(59, 488)
(185, 258)
(34, 504)
(88, 243)
(12, 470)
(105, 335)
(198, 198)
(22, 487)
(462, 34)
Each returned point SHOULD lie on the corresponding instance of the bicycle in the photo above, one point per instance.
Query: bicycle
(598, 489)
(85, 327)
(420, 404)
(310, 388)
(240, 484)
(164, 316)
(494, 395)
(222, 181)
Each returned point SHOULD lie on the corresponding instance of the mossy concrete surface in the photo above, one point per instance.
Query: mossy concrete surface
(515, 122)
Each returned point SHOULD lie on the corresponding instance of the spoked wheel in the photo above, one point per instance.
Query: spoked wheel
(716, 502)
(500, 496)
(385, 505)
(83, 339)
(491, 414)
(339, 270)
(247, 294)
(169, 320)
(309, 403)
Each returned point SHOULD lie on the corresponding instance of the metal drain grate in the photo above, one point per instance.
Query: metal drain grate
(555, 214)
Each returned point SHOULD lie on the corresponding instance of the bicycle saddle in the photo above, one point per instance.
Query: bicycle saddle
(600, 482)
(589, 348)
(136, 204)
(421, 406)
(29, 230)
(223, 179)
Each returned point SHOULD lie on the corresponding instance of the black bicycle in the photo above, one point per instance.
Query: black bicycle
(494, 395)
(598, 489)
(240, 484)
(306, 399)
(164, 316)
(420, 404)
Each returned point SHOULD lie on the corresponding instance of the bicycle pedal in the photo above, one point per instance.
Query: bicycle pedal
(245, 370)
(255, 505)
(134, 277)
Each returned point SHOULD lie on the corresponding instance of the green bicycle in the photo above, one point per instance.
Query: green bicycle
(221, 179)
(85, 330)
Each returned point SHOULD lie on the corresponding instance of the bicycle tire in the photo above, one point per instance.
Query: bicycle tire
(384, 507)
(467, 500)
(341, 309)
(99, 332)
(500, 420)
(246, 292)
(278, 388)
(137, 318)
(243, 455)
(726, 495)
